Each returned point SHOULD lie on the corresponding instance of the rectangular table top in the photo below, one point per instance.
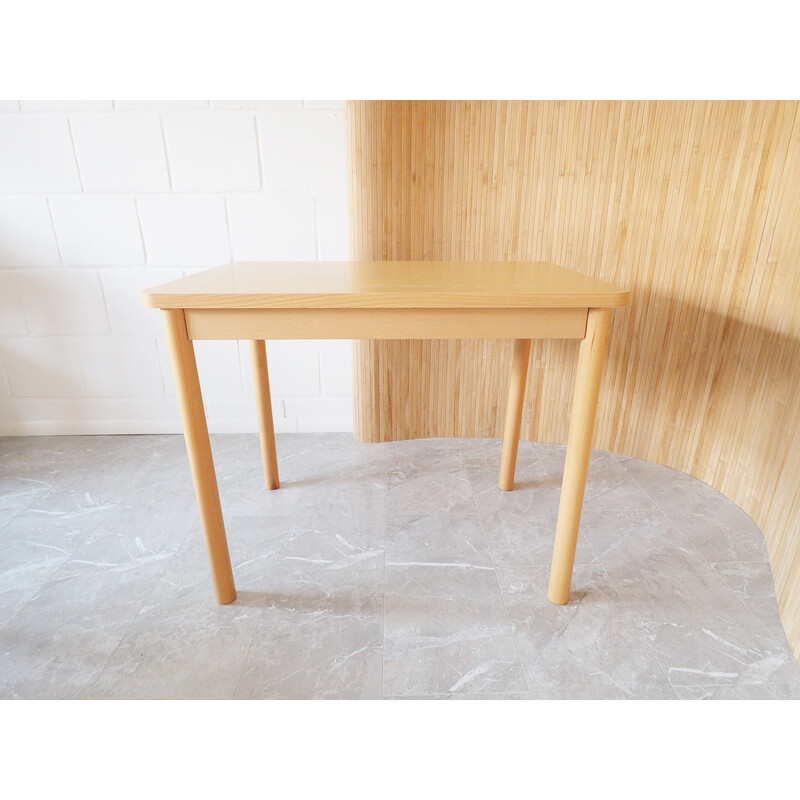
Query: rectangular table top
(387, 284)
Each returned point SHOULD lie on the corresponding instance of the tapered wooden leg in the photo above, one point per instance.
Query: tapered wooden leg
(516, 397)
(198, 446)
(579, 443)
(269, 456)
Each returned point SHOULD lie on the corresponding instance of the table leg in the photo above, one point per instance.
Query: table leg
(516, 396)
(579, 443)
(198, 446)
(269, 456)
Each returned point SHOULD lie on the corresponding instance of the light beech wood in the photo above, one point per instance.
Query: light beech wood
(266, 429)
(374, 284)
(579, 445)
(516, 397)
(198, 446)
(693, 205)
(447, 323)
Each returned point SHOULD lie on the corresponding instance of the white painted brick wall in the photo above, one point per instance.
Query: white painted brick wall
(184, 230)
(43, 367)
(27, 238)
(116, 366)
(331, 216)
(12, 317)
(37, 154)
(5, 389)
(265, 228)
(301, 152)
(66, 105)
(97, 230)
(126, 314)
(59, 302)
(212, 152)
(101, 199)
(120, 152)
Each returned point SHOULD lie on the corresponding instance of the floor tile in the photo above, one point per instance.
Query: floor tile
(58, 643)
(532, 484)
(426, 490)
(461, 696)
(437, 555)
(715, 526)
(320, 635)
(395, 570)
(588, 649)
(450, 644)
(718, 652)
(493, 449)
(436, 539)
(626, 540)
(310, 654)
(752, 583)
(181, 646)
(25, 567)
(759, 691)
(673, 588)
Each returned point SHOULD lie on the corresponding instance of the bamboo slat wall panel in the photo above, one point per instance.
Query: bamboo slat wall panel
(694, 206)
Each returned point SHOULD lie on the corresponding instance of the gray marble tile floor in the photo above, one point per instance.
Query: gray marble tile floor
(394, 570)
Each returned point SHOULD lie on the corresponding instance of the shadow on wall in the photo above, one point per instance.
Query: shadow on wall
(700, 379)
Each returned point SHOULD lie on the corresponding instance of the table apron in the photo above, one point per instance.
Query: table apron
(386, 323)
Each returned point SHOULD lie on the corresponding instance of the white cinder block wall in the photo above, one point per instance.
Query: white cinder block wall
(99, 200)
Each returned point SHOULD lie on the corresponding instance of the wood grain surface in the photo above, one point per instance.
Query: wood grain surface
(380, 284)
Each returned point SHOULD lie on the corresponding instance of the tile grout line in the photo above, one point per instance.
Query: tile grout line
(500, 590)
(54, 573)
(287, 194)
(722, 578)
(144, 603)
(505, 609)
(639, 629)
(392, 515)
(263, 608)
(622, 600)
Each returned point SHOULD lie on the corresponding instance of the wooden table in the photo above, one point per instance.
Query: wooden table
(388, 300)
